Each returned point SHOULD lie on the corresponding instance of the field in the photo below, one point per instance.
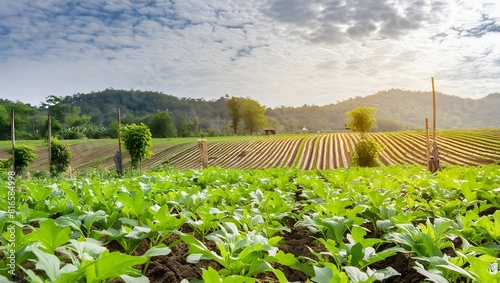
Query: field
(267, 210)
(302, 151)
(389, 224)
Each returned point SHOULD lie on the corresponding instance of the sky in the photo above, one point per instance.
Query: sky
(278, 52)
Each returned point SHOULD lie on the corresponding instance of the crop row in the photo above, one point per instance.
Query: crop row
(319, 151)
(328, 151)
(274, 225)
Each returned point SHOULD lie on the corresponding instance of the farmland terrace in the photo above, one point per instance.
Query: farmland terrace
(302, 151)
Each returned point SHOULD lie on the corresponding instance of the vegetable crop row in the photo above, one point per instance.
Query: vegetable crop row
(241, 222)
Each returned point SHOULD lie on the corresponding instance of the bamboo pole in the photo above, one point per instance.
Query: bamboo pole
(118, 156)
(428, 152)
(49, 139)
(13, 139)
(202, 144)
(119, 136)
(433, 111)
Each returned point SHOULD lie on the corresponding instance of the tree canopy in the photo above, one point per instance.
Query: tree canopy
(362, 119)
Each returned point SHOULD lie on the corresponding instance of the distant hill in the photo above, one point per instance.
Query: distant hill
(396, 110)
(102, 107)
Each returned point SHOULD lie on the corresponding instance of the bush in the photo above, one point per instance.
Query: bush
(137, 140)
(5, 164)
(61, 157)
(365, 153)
(23, 156)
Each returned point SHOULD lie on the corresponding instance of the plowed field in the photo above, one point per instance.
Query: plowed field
(311, 151)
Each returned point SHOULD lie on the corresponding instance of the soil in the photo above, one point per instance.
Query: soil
(174, 268)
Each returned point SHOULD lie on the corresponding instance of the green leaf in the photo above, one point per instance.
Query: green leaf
(49, 263)
(50, 235)
(113, 265)
(431, 276)
(322, 275)
(157, 251)
(356, 254)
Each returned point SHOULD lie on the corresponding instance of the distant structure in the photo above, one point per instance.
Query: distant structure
(268, 132)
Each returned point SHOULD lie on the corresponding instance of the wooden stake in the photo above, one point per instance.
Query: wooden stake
(118, 156)
(202, 144)
(13, 139)
(428, 152)
(433, 111)
(119, 136)
(49, 139)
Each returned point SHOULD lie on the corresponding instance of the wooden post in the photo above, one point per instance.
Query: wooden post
(428, 147)
(119, 136)
(49, 139)
(118, 156)
(433, 111)
(434, 163)
(13, 139)
(202, 144)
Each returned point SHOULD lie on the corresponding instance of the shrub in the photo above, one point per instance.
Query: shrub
(23, 156)
(61, 157)
(365, 153)
(137, 140)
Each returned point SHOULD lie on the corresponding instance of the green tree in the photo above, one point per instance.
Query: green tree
(75, 120)
(234, 111)
(61, 156)
(23, 156)
(366, 151)
(56, 108)
(55, 127)
(195, 122)
(362, 120)
(4, 123)
(252, 114)
(182, 127)
(161, 125)
(137, 140)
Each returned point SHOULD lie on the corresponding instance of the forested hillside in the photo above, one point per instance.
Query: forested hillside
(134, 105)
(95, 113)
(396, 110)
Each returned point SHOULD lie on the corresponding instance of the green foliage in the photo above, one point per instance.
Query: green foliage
(65, 227)
(61, 157)
(81, 132)
(234, 111)
(23, 156)
(55, 127)
(362, 119)
(137, 140)
(365, 153)
(161, 125)
(182, 127)
(253, 115)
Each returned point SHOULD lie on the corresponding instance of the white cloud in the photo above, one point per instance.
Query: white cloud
(280, 52)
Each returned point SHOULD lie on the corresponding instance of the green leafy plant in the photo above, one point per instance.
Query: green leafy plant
(23, 156)
(137, 140)
(61, 157)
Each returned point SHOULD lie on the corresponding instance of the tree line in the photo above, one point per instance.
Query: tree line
(81, 116)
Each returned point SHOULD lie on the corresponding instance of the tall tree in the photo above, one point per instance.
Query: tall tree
(161, 125)
(56, 108)
(365, 151)
(196, 125)
(362, 120)
(252, 114)
(137, 140)
(234, 111)
(182, 127)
